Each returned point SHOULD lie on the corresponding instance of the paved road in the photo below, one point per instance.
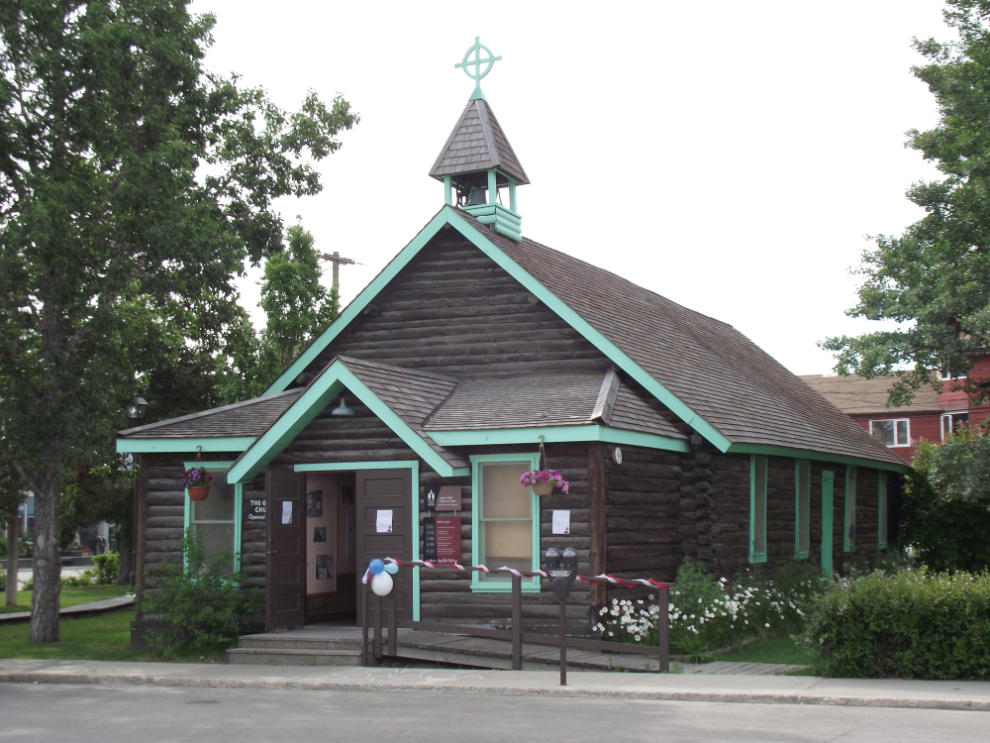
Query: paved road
(44, 713)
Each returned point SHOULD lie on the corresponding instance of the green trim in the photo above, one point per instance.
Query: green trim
(828, 518)
(781, 451)
(238, 508)
(334, 379)
(754, 555)
(448, 195)
(559, 434)
(492, 187)
(881, 510)
(410, 464)
(450, 216)
(799, 513)
(478, 585)
(183, 446)
(849, 510)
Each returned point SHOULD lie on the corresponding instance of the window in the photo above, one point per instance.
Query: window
(505, 515)
(802, 505)
(951, 422)
(757, 508)
(849, 527)
(892, 432)
(882, 510)
(215, 519)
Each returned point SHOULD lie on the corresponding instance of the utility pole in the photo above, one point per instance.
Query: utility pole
(336, 259)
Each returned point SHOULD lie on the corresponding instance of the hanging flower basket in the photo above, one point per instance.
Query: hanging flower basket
(197, 482)
(543, 482)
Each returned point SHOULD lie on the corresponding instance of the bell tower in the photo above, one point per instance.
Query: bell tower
(477, 165)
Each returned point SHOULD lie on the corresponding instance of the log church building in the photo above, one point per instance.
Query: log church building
(403, 429)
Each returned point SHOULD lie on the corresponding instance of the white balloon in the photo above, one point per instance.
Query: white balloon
(381, 584)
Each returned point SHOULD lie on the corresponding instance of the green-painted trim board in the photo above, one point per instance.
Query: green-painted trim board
(559, 434)
(816, 456)
(183, 446)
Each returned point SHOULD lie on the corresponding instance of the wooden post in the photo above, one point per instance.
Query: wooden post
(377, 650)
(365, 661)
(596, 520)
(141, 518)
(516, 623)
(393, 626)
(563, 642)
(663, 631)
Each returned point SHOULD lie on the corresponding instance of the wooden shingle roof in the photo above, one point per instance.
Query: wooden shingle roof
(854, 394)
(478, 143)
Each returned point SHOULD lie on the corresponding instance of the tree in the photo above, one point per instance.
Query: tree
(133, 186)
(935, 278)
(297, 307)
(11, 496)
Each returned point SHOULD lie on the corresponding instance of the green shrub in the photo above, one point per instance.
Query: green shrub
(908, 625)
(105, 568)
(200, 602)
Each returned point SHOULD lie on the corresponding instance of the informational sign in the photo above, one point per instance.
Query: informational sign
(430, 539)
(561, 522)
(383, 521)
(449, 498)
(255, 509)
(448, 538)
(286, 512)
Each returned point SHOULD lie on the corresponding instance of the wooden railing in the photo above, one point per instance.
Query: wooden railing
(377, 606)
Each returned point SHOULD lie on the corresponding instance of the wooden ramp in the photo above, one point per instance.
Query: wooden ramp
(341, 645)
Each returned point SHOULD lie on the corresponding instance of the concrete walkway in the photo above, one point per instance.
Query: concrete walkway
(952, 695)
(73, 612)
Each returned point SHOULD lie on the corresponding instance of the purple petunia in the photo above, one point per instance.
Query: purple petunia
(197, 477)
(541, 476)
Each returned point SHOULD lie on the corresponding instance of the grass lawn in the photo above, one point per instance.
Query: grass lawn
(775, 650)
(106, 637)
(71, 596)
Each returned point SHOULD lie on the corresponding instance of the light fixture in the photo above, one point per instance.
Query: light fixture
(138, 408)
(342, 409)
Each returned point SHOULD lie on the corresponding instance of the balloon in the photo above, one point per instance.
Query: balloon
(376, 566)
(391, 568)
(381, 584)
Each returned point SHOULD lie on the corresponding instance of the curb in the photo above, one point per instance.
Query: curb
(42, 677)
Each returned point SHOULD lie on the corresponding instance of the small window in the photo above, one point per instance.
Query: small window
(758, 509)
(951, 422)
(849, 530)
(892, 432)
(802, 536)
(214, 519)
(882, 510)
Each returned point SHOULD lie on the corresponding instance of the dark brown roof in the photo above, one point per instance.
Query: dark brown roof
(248, 418)
(710, 366)
(542, 400)
(478, 143)
(857, 395)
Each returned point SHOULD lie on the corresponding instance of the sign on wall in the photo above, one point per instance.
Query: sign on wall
(449, 498)
(255, 509)
(448, 538)
(430, 539)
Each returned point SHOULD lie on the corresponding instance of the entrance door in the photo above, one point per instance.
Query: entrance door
(285, 577)
(828, 486)
(378, 493)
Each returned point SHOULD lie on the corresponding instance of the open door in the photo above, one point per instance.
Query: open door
(285, 573)
(384, 497)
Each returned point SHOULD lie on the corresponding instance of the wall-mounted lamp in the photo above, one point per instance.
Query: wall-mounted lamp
(342, 409)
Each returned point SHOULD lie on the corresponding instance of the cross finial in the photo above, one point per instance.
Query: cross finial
(477, 63)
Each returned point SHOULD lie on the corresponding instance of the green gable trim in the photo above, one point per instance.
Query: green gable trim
(448, 215)
(323, 389)
(355, 308)
(183, 446)
(783, 451)
(559, 434)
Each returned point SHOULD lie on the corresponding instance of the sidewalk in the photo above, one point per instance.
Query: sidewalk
(951, 695)
(73, 612)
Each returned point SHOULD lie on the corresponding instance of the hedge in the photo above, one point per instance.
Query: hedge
(907, 625)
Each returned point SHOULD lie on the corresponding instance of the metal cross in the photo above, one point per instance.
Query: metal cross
(477, 62)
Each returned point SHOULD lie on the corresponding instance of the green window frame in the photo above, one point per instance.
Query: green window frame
(218, 471)
(802, 509)
(500, 582)
(758, 508)
(849, 525)
(882, 509)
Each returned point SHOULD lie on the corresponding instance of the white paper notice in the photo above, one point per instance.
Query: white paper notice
(383, 523)
(286, 512)
(561, 522)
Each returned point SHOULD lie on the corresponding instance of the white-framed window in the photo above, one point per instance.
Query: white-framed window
(849, 527)
(505, 516)
(758, 508)
(951, 421)
(802, 506)
(893, 432)
(216, 519)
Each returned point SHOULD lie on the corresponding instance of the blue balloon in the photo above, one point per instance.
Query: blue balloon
(391, 567)
(376, 566)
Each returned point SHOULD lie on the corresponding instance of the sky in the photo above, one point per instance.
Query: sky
(731, 156)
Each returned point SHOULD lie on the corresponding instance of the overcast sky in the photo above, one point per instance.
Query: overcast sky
(731, 156)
